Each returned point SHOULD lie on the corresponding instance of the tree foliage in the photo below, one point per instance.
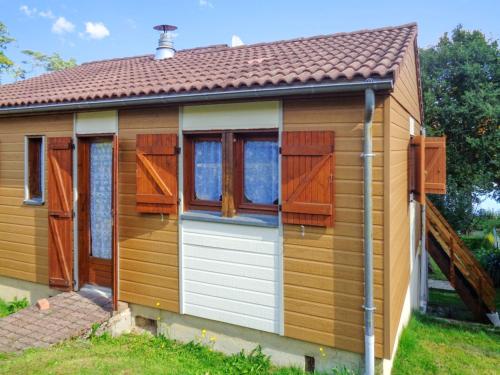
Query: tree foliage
(461, 89)
(5, 39)
(36, 60)
(49, 63)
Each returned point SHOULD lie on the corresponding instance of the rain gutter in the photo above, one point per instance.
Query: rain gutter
(258, 92)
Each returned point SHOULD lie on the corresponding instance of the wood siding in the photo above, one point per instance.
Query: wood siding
(148, 243)
(23, 228)
(323, 269)
(397, 214)
(406, 87)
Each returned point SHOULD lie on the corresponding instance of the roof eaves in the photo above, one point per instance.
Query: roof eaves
(248, 93)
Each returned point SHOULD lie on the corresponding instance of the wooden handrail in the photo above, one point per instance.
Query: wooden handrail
(460, 256)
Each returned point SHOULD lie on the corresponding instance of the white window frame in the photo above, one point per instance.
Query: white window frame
(27, 200)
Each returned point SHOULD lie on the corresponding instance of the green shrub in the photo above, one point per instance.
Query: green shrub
(490, 260)
(475, 243)
(255, 362)
(7, 308)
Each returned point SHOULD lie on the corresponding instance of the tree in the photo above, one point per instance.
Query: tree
(36, 61)
(49, 63)
(461, 90)
(5, 39)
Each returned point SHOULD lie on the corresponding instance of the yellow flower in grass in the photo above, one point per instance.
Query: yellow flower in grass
(212, 339)
(157, 304)
(203, 332)
(322, 351)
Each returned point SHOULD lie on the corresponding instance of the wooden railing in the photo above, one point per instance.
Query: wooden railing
(461, 258)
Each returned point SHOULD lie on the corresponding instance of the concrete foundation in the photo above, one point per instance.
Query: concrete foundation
(229, 339)
(14, 288)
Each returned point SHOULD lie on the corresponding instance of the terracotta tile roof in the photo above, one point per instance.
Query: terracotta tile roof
(343, 56)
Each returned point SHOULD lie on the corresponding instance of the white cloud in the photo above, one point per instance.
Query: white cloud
(205, 4)
(62, 25)
(33, 12)
(96, 30)
(27, 10)
(236, 41)
(46, 14)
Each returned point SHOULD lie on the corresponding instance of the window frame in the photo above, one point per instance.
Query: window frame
(232, 142)
(239, 173)
(190, 201)
(28, 199)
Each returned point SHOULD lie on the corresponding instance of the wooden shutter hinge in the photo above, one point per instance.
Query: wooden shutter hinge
(177, 150)
(280, 207)
(280, 150)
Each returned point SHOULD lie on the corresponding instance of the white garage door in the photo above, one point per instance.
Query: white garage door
(230, 273)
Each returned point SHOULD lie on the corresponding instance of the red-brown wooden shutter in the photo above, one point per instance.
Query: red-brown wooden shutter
(435, 165)
(156, 173)
(60, 207)
(417, 168)
(308, 163)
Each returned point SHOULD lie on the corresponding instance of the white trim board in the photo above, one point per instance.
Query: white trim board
(248, 115)
(102, 122)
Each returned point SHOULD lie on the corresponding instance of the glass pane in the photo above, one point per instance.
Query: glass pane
(101, 164)
(208, 170)
(261, 172)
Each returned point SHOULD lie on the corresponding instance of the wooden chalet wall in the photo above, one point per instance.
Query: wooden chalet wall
(23, 228)
(402, 104)
(148, 243)
(323, 270)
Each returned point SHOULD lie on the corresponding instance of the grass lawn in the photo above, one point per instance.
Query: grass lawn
(435, 272)
(431, 346)
(136, 354)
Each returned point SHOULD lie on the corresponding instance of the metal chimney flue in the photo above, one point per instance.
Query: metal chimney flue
(165, 48)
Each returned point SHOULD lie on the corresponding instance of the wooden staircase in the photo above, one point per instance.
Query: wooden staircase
(459, 265)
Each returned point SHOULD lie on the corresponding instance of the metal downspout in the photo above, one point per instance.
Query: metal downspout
(423, 258)
(368, 232)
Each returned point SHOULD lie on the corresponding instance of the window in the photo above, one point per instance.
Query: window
(34, 170)
(232, 172)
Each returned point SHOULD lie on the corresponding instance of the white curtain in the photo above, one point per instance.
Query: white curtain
(101, 164)
(261, 172)
(208, 170)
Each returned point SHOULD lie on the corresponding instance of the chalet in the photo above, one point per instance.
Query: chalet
(269, 194)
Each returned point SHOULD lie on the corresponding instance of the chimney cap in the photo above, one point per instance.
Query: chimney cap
(165, 28)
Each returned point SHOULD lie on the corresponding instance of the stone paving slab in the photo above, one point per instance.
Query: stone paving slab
(440, 284)
(70, 315)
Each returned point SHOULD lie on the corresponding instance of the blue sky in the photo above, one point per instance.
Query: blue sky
(92, 30)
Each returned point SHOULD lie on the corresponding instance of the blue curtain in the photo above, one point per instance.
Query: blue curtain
(261, 172)
(208, 170)
(101, 164)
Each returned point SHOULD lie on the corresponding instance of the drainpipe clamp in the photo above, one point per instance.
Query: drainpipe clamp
(363, 155)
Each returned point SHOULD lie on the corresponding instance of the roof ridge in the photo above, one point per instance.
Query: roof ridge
(117, 59)
(322, 36)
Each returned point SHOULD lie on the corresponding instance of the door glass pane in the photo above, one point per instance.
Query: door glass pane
(101, 167)
(261, 172)
(208, 170)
